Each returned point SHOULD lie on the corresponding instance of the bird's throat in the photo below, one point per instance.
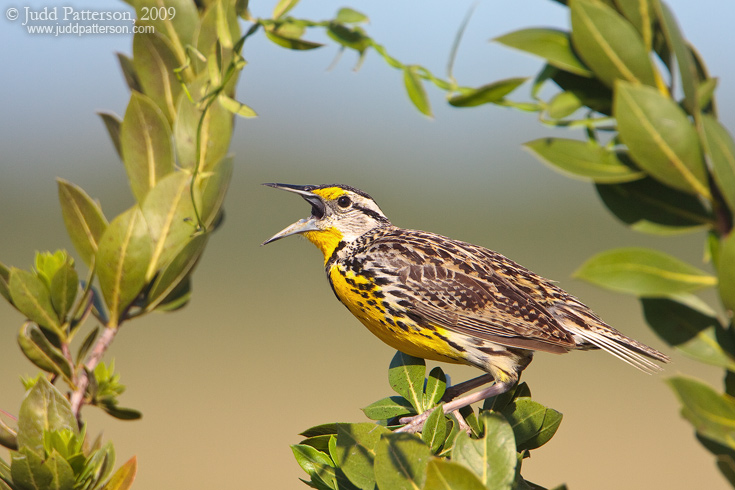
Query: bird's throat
(325, 240)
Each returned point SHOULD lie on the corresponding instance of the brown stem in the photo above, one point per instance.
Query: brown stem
(82, 381)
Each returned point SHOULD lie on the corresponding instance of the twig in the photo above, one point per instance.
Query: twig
(82, 381)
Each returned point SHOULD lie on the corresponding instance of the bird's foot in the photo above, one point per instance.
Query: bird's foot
(416, 423)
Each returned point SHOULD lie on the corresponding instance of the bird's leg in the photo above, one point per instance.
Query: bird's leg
(463, 425)
(454, 391)
(416, 423)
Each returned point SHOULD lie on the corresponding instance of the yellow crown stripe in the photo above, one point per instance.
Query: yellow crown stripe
(330, 193)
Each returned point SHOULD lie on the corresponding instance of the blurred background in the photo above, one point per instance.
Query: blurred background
(264, 351)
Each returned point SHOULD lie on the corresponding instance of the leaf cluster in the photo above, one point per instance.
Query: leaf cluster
(662, 163)
(172, 141)
(459, 450)
(52, 452)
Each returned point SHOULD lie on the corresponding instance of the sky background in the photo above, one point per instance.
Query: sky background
(263, 351)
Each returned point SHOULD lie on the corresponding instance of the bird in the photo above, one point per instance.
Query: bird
(440, 299)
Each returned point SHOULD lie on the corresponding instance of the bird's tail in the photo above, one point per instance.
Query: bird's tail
(589, 330)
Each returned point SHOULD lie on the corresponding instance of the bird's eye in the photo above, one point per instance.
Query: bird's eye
(344, 202)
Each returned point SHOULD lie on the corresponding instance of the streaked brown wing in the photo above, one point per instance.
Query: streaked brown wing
(451, 285)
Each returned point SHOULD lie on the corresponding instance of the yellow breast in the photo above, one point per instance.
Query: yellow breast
(387, 321)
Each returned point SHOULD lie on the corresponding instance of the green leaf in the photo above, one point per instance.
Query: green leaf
(41, 352)
(711, 414)
(388, 408)
(147, 148)
(32, 298)
(720, 148)
(64, 288)
(448, 475)
(347, 15)
(609, 45)
(695, 332)
(320, 430)
(533, 424)
(112, 124)
(436, 385)
(283, 7)
(706, 94)
(355, 452)
(660, 137)
(643, 272)
(564, 104)
(406, 377)
(453, 431)
(169, 213)
(131, 78)
(584, 159)
(43, 409)
(47, 264)
(435, 429)
(176, 271)
(124, 253)
(62, 475)
(678, 45)
(4, 287)
(177, 23)
(83, 218)
(551, 44)
(591, 92)
(223, 26)
(651, 207)
(177, 298)
(290, 43)
(154, 61)
(9, 440)
(639, 14)
(492, 458)
(415, 90)
(349, 37)
(400, 462)
(211, 190)
(210, 41)
(29, 472)
(487, 94)
(236, 107)
(216, 133)
(87, 344)
(526, 417)
(315, 462)
(124, 476)
(551, 424)
(472, 421)
(320, 443)
(98, 466)
(726, 272)
(120, 413)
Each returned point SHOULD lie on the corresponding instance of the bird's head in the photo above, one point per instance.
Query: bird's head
(339, 215)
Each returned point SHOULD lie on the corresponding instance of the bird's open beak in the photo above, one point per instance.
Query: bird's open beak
(318, 209)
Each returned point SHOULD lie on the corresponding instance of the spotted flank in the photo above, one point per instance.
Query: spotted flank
(433, 297)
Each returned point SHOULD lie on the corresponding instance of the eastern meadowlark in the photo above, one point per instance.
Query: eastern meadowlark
(441, 299)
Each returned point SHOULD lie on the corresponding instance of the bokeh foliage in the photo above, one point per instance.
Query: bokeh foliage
(173, 141)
